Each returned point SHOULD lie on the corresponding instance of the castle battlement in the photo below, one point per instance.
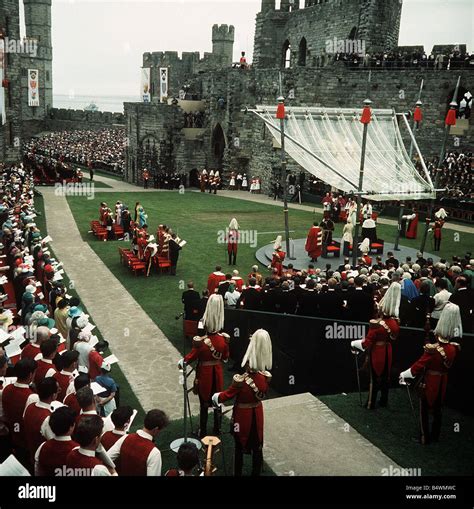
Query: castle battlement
(223, 33)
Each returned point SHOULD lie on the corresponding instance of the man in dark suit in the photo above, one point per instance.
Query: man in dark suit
(286, 300)
(250, 298)
(270, 297)
(224, 285)
(331, 304)
(391, 260)
(420, 307)
(464, 298)
(174, 249)
(191, 300)
(308, 301)
(360, 304)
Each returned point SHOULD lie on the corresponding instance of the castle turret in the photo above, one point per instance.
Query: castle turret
(38, 28)
(223, 42)
(267, 5)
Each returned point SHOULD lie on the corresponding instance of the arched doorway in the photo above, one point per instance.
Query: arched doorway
(218, 147)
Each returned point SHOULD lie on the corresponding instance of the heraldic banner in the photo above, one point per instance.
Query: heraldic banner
(33, 92)
(163, 84)
(145, 90)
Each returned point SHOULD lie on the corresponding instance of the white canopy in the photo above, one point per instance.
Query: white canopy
(327, 142)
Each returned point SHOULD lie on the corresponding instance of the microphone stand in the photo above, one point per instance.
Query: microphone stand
(175, 444)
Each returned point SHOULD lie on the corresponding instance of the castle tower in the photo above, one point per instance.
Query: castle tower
(38, 27)
(10, 92)
(223, 42)
(267, 5)
(379, 24)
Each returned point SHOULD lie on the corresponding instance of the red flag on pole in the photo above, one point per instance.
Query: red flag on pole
(418, 114)
(366, 115)
(281, 111)
(451, 117)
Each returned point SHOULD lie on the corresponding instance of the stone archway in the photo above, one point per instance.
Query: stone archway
(218, 145)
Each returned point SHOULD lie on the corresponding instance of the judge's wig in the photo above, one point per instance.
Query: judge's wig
(441, 214)
(449, 325)
(390, 302)
(365, 246)
(233, 225)
(259, 352)
(213, 318)
(278, 241)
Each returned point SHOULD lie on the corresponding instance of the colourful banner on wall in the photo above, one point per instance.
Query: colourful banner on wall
(3, 113)
(145, 90)
(33, 87)
(163, 83)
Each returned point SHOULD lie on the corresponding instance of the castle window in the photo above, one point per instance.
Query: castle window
(303, 49)
(353, 34)
(47, 76)
(286, 55)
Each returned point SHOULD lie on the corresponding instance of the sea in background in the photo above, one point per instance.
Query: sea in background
(103, 103)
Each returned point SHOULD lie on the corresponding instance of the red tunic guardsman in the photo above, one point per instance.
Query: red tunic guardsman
(314, 242)
(433, 367)
(210, 351)
(249, 390)
(232, 241)
(278, 256)
(378, 342)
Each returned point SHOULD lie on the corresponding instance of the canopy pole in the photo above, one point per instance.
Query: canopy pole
(447, 127)
(366, 121)
(284, 173)
(412, 146)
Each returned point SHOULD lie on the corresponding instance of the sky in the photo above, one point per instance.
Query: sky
(98, 44)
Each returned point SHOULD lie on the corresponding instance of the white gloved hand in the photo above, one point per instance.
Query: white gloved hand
(357, 345)
(404, 376)
(215, 400)
(181, 364)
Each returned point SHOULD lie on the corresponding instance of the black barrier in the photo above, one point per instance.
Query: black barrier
(314, 355)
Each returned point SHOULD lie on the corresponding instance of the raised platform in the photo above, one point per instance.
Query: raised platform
(322, 444)
(301, 261)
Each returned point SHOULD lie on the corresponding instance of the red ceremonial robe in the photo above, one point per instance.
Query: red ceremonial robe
(413, 228)
(314, 242)
(277, 261)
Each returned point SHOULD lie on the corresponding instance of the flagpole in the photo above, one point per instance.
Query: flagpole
(416, 122)
(281, 116)
(365, 119)
(449, 121)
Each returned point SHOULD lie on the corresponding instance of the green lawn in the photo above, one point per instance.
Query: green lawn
(223, 459)
(198, 218)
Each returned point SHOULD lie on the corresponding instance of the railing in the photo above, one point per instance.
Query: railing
(313, 354)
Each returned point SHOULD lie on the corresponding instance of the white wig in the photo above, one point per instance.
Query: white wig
(278, 241)
(259, 352)
(441, 214)
(449, 325)
(365, 246)
(233, 225)
(406, 275)
(389, 305)
(213, 318)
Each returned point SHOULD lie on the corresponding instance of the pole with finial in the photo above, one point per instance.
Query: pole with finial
(364, 119)
(417, 118)
(449, 121)
(280, 115)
